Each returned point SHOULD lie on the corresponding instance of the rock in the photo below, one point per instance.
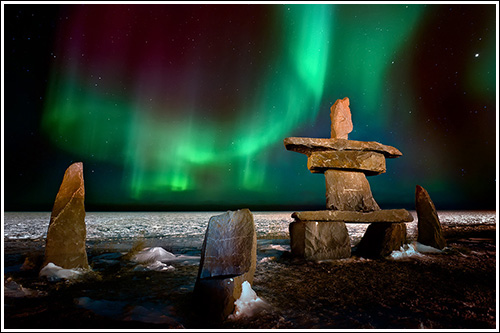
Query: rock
(309, 145)
(215, 296)
(66, 235)
(228, 258)
(378, 216)
(340, 115)
(348, 190)
(380, 239)
(315, 240)
(429, 228)
(371, 163)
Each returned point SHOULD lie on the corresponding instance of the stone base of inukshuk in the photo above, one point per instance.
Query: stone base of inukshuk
(345, 163)
(228, 258)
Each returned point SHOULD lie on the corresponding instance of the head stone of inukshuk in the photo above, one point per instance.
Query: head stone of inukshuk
(340, 115)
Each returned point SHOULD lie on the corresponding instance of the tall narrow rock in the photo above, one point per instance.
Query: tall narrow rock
(228, 258)
(66, 235)
(429, 228)
(340, 115)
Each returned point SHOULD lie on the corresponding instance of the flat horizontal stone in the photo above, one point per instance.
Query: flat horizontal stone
(385, 215)
(310, 145)
(369, 162)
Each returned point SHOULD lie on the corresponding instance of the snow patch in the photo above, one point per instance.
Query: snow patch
(415, 249)
(54, 272)
(276, 247)
(249, 304)
(153, 254)
(154, 266)
(267, 259)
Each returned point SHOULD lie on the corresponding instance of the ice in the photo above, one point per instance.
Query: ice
(249, 304)
(426, 248)
(120, 310)
(54, 272)
(101, 307)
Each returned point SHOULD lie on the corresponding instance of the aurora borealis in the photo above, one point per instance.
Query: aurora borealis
(185, 106)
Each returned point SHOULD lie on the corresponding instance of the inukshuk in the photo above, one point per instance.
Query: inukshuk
(319, 235)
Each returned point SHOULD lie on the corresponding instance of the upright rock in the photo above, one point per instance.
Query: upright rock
(340, 115)
(66, 235)
(380, 239)
(228, 258)
(429, 228)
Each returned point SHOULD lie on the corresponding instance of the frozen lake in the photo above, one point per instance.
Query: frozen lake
(183, 226)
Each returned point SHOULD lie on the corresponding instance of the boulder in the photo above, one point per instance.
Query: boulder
(378, 216)
(348, 190)
(315, 240)
(340, 115)
(380, 239)
(429, 228)
(228, 258)
(66, 235)
(369, 162)
(309, 145)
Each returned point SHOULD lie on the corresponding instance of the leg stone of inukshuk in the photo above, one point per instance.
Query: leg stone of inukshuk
(381, 238)
(348, 190)
(228, 258)
(66, 235)
(314, 240)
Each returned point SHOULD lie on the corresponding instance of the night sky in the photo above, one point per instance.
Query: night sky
(185, 107)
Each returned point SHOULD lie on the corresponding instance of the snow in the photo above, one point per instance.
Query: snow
(154, 266)
(249, 304)
(153, 254)
(54, 272)
(154, 259)
(415, 249)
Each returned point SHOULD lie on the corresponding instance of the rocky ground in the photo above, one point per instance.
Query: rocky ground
(455, 289)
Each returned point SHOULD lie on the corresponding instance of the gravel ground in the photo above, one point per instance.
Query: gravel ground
(455, 289)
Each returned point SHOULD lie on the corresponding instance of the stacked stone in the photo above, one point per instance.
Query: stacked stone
(319, 235)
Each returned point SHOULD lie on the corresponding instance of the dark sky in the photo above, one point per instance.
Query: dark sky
(185, 107)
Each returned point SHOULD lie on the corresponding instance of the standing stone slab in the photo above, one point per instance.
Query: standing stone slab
(340, 115)
(371, 163)
(66, 235)
(380, 239)
(314, 240)
(228, 258)
(429, 228)
(348, 190)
